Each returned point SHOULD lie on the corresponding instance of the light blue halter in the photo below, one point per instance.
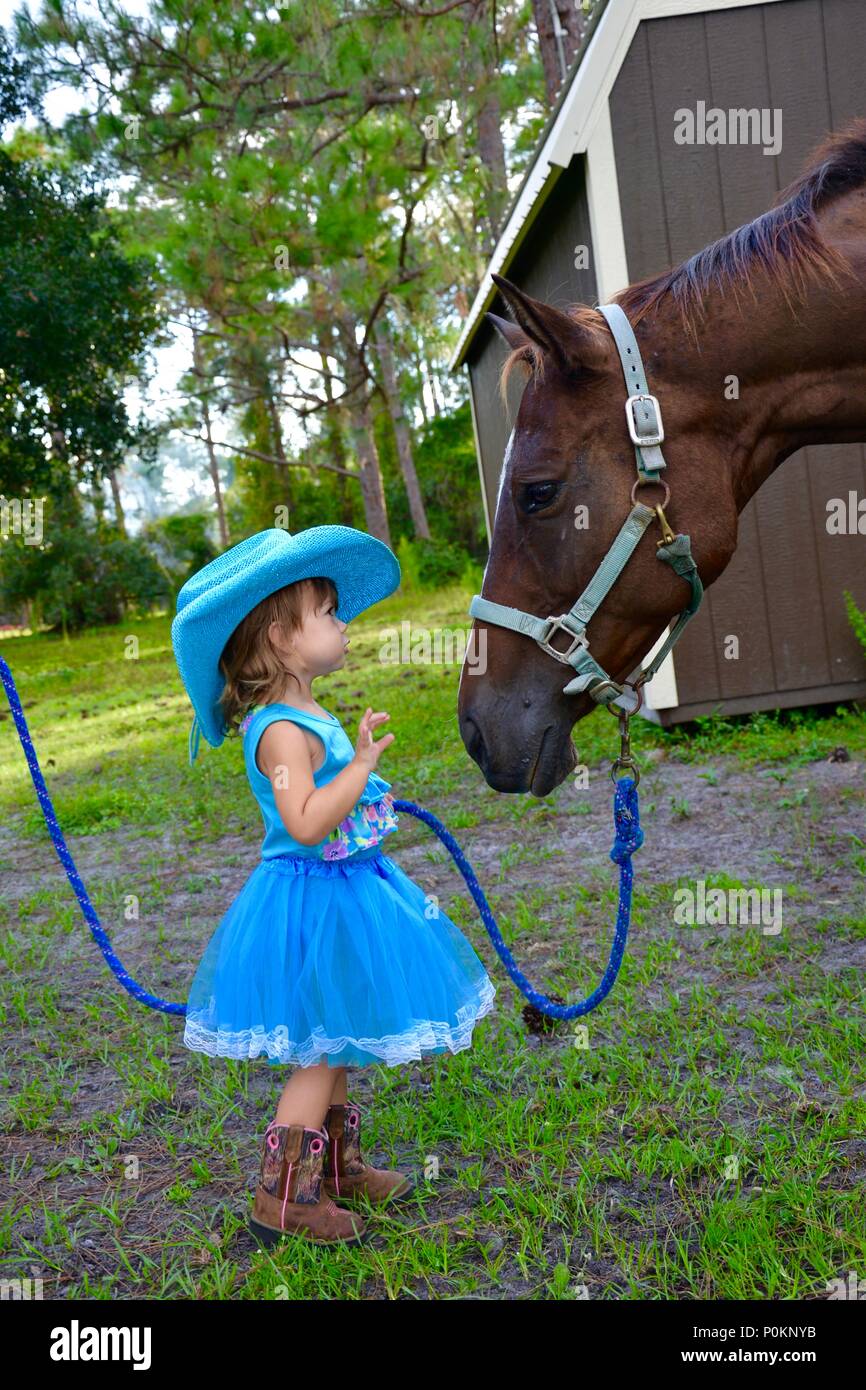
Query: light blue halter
(643, 415)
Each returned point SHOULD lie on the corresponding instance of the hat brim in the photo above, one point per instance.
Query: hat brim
(363, 569)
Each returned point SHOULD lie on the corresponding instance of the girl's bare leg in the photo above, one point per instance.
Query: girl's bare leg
(338, 1095)
(307, 1095)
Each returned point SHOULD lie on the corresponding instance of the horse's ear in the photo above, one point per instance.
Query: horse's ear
(513, 335)
(556, 333)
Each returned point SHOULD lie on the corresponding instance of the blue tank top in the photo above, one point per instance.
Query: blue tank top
(372, 817)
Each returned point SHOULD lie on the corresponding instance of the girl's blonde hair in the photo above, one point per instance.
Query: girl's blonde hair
(252, 668)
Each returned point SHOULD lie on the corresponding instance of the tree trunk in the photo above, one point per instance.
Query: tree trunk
(333, 432)
(97, 497)
(372, 487)
(488, 120)
(492, 152)
(279, 450)
(438, 408)
(419, 372)
(265, 380)
(561, 26)
(213, 468)
(65, 489)
(401, 429)
(120, 520)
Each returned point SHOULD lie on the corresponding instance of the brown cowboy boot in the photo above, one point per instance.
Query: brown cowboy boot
(346, 1174)
(289, 1197)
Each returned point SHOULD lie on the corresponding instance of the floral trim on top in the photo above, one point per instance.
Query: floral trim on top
(245, 722)
(365, 826)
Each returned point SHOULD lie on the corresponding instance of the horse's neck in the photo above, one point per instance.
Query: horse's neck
(797, 362)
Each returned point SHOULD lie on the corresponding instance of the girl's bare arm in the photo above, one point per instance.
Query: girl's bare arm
(308, 812)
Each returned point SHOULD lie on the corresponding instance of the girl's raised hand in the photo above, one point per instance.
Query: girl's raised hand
(366, 750)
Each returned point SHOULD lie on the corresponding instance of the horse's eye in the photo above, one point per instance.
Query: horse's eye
(534, 496)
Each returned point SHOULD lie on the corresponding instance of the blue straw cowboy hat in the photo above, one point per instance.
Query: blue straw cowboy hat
(215, 599)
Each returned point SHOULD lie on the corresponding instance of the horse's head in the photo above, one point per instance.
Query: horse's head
(564, 493)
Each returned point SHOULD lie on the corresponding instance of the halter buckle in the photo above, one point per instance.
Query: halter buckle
(579, 639)
(654, 437)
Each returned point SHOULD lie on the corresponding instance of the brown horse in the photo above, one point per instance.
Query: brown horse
(797, 348)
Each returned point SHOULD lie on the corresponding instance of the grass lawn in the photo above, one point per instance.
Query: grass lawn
(704, 1136)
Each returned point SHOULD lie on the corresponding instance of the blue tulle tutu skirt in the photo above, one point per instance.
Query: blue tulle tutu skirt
(342, 961)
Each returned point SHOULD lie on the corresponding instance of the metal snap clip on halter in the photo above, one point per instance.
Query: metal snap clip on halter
(625, 762)
(625, 758)
(667, 533)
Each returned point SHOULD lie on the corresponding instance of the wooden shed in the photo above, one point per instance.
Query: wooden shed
(608, 176)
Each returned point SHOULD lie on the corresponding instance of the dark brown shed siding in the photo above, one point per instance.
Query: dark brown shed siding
(543, 267)
(782, 594)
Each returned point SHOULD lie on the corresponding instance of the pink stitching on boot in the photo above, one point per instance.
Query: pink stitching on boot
(286, 1195)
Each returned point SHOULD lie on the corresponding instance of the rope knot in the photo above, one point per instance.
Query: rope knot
(626, 819)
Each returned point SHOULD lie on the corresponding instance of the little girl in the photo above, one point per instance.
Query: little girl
(330, 955)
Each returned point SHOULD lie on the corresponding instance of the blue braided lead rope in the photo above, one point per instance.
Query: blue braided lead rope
(629, 837)
(100, 937)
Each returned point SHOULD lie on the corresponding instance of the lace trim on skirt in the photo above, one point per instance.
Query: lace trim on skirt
(393, 1049)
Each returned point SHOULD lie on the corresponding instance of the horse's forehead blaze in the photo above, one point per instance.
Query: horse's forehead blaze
(505, 462)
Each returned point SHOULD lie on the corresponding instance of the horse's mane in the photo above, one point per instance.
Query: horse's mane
(784, 241)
